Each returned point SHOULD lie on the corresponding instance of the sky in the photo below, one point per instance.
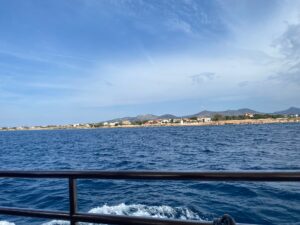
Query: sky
(76, 61)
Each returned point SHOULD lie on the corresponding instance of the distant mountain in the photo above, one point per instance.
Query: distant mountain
(144, 118)
(135, 118)
(205, 113)
(238, 112)
(289, 111)
(120, 119)
(167, 116)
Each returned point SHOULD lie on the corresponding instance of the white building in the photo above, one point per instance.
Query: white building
(250, 115)
(204, 119)
(165, 121)
(112, 124)
(126, 122)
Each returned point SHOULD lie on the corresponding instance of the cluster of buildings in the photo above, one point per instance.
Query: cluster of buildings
(249, 115)
(117, 123)
(159, 122)
(179, 121)
(128, 123)
(48, 127)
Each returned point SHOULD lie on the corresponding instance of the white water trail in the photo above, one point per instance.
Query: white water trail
(138, 210)
(6, 223)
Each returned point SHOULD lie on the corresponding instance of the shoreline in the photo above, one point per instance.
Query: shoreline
(211, 123)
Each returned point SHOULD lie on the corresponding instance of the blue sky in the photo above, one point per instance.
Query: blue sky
(67, 61)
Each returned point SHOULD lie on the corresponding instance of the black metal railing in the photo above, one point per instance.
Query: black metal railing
(74, 216)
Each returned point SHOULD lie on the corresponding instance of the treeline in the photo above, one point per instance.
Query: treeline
(218, 117)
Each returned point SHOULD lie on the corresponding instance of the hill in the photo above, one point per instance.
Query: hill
(206, 113)
(237, 112)
(289, 111)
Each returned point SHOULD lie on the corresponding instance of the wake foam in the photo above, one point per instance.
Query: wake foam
(150, 211)
(139, 210)
(56, 222)
(6, 223)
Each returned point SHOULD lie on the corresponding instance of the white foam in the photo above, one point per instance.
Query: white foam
(144, 210)
(6, 223)
(139, 210)
(56, 222)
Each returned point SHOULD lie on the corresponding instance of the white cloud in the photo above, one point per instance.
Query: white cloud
(288, 45)
(251, 58)
(202, 77)
(170, 79)
(179, 25)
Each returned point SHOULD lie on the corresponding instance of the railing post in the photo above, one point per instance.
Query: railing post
(72, 199)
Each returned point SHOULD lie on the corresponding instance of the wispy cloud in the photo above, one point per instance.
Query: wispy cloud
(289, 46)
(243, 83)
(202, 77)
(289, 42)
(110, 53)
(53, 59)
(179, 25)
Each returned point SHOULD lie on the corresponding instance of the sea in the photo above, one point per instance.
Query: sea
(205, 148)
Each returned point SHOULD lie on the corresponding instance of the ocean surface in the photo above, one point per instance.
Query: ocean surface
(230, 147)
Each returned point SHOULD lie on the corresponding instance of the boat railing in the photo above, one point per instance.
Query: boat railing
(73, 216)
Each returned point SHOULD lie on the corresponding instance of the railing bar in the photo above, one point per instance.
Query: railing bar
(73, 216)
(284, 176)
(131, 220)
(35, 213)
(72, 199)
(98, 218)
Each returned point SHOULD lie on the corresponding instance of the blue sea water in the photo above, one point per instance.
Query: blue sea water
(230, 147)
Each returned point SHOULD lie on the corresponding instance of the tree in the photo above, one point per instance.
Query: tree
(97, 124)
(217, 117)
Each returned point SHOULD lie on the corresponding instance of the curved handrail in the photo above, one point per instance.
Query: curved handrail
(73, 216)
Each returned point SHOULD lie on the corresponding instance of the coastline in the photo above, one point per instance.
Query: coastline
(210, 123)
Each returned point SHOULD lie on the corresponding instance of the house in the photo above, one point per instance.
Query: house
(204, 119)
(151, 122)
(112, 124)
(176, 120)
(249, 115)
(165, 121)
(126, 122)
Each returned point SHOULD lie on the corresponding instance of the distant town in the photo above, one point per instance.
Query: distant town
(204, 118)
